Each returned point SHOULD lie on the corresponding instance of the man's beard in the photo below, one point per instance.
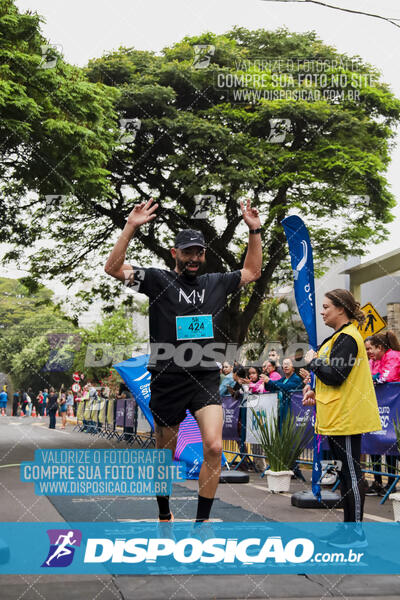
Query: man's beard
(182, 268)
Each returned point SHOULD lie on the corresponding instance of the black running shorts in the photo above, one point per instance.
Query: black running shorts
(173, 393)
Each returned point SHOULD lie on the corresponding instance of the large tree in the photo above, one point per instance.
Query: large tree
(198, 138)
(56, 128)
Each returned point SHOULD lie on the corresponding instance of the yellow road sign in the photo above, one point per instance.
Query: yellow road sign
(373, 322)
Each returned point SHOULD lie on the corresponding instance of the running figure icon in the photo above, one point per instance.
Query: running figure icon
(62, 549)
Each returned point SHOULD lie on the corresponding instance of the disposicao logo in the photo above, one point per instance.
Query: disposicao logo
(62, 542)
(189, 550)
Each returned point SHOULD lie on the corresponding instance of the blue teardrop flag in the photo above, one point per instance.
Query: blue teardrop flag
(301, 258)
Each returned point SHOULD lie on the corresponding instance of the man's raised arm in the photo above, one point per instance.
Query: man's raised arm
(253, 262)
(115, 265)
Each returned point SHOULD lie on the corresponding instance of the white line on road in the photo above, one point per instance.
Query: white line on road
(157, 521)
(366, 515)
(61, 431)
(150, 498)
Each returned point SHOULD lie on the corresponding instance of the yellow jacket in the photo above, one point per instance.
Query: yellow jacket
(351, 407)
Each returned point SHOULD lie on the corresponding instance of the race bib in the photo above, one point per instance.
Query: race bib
(194, 327)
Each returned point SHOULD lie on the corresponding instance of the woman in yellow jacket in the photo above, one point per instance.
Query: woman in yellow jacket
(344, 395)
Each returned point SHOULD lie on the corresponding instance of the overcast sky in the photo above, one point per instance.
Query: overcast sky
(88, 28)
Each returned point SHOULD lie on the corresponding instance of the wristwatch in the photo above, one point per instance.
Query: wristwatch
(255, 230)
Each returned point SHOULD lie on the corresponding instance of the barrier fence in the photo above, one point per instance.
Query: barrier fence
(123, 420)
(113, 419)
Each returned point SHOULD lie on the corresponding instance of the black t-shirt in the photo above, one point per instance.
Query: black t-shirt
(172, 295)
(52, 403)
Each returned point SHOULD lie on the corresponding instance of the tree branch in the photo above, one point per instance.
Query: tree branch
(149, 241)
(349, 10)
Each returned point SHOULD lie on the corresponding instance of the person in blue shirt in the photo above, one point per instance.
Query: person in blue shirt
(227, 381)
(3, 403)
(285, 387)
(45, 396)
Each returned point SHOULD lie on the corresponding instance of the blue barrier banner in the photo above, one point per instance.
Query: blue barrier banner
(231, 408)
(377, 442)
(130, 406)
(72, 472)
(206, 548)
(120, 412)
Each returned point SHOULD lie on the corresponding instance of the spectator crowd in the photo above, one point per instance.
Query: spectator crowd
(50, 402)
(383, 350)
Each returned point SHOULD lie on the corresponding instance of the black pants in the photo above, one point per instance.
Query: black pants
(391, 462)
(52, 415)
(347, 448)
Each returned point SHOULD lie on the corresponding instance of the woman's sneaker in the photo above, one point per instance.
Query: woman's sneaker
(375, 489)
(352, 536)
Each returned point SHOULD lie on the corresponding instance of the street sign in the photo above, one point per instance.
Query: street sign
(76, 387)
(75, 376)
(373, 322)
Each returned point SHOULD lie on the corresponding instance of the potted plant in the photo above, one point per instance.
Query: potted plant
(282, 442)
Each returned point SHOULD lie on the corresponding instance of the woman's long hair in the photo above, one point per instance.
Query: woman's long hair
(388, 340)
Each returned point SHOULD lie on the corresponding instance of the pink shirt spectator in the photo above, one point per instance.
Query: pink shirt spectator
(374, 366)
(274, 376)
(389, 367)
(256, 387)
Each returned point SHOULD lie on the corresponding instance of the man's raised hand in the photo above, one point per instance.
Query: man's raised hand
(142, 213)
(250, 215)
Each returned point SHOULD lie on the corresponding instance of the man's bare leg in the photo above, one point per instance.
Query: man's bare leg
(210, 420)
(166, 438)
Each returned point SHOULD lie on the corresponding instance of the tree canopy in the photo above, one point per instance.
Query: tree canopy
(37, 352)
(41, 347)
(194, 135)
(18, 302)
(108, 342)
(274, 322)
(56, 127)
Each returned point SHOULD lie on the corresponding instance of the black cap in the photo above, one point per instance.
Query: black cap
(189, 237)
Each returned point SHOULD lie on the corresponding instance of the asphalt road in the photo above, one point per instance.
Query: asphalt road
(19, 437)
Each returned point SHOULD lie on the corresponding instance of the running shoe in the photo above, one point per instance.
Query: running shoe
(166, 528)
(202, 530)
(170, 520)
(326, 538)
(352, 536)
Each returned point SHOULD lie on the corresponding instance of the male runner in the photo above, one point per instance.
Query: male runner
(186, 308)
